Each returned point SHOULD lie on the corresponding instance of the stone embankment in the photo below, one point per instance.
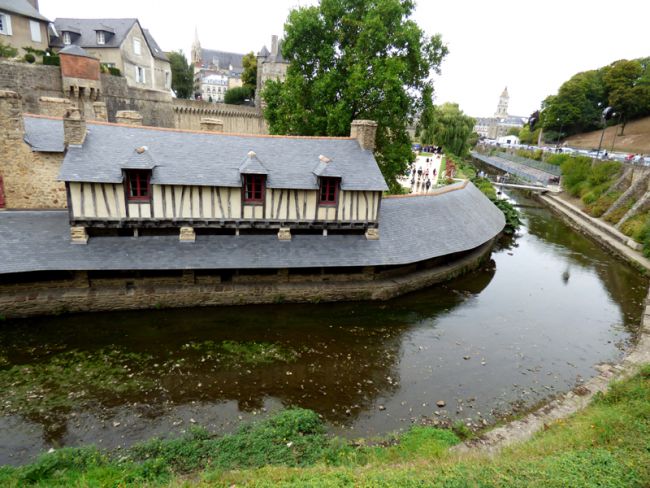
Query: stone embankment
(577, 399)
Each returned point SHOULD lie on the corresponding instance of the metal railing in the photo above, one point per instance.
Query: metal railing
(547, 168)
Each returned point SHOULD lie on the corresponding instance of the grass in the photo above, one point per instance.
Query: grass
(236, 353)
(605, 445)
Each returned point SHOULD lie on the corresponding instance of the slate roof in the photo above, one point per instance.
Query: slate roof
(74, 50)
(44, 135)
(156, 52)
(411, 229)
(223, 59)
(87, 29)
(205, 159)
(22, 7)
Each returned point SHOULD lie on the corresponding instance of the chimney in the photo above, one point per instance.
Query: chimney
(34, 3)
(128, 117)
(74, 127)
(274, 46)
(55, 107)
(211, 125)
(11, 116)
(365, 132)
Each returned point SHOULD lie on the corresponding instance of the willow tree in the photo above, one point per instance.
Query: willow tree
(354, 59)
(452, 129)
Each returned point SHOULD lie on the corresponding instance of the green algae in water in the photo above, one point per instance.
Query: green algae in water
(235, 353)
(71, 379)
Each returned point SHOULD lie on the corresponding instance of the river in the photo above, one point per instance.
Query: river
(531, 323)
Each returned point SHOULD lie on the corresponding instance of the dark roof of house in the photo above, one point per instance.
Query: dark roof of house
(116, 29)
(154, 47)
(207, 159)
(223, 59)
(43, 135)
(87, 29)
(411, 230)
(74, 50)
(21, 7)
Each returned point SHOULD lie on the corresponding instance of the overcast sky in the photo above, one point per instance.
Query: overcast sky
(530, 47)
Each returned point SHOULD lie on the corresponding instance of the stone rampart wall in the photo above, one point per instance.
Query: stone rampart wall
(236, 118)
(31, 81)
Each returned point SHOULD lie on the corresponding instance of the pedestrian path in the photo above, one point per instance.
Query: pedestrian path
(425, 168)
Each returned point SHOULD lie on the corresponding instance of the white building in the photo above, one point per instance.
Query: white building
(213, 88)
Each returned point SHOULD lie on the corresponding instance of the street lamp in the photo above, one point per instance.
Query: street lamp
(559, 134)
(615, 130)
(605, 116)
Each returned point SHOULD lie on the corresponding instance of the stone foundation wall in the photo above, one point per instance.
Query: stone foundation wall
(84, 295)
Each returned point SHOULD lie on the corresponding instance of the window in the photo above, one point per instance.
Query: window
(137, 46)
(139, 74)
(66, 38)
(254, 188)
(35, 28)
(5, 24)
(138, 187)
(101, 37)
(167, 79)
(329, 191)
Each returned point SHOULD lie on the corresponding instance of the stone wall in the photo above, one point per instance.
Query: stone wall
(236, 118)
(84, 294)
(31, 81)
(154, 106)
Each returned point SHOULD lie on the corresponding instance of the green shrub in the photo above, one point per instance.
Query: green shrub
(635, 227)
(461, 430)
(114, 71)
(30, 58)
(557, 159)
(52, 60)
(575, 174)
(6, 51)
(601, 204)
(604, 172)
(238, 95)
(618, 214)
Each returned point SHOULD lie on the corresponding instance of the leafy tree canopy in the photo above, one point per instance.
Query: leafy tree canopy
(249, 75)
(452, 129)
(239, 95)
(182, 74)
(354, 59)
(577, 107)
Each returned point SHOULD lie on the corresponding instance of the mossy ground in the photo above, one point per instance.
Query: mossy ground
(605, 445)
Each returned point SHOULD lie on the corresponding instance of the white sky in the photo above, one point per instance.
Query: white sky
(531, 47)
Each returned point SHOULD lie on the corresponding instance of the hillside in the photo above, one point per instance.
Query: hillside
(635, 140)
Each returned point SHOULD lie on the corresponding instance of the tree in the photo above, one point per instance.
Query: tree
(238, 95)
(182, 74)
(425, 126)
(249, 75)
(354, 59)
(452, 129)
(514, 131)
(628, 97)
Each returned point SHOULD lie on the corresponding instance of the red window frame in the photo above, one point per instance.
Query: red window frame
(138, 186)
(254, 187)
(328, 193)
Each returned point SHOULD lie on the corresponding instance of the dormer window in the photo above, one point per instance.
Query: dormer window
(254, 186)
(101, 37)
(138, 185)
(329, 191)
(66, 38)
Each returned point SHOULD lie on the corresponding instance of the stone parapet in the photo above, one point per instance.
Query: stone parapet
(128, 117)
(211, 124)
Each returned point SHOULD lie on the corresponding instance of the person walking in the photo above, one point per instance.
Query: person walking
(428, 185)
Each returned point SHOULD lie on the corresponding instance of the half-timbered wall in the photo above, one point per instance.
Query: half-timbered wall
(97, 201)
(176, 202)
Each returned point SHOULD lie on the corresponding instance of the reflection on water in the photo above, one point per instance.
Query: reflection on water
(532, 322)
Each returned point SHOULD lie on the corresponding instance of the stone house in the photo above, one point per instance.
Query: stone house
(118, 43)
(22, 25)
(211, 65)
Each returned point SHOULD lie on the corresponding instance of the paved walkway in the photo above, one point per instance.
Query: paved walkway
(428, 164)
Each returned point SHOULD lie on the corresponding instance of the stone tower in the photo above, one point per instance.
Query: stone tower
(502, 108)
(196, 49)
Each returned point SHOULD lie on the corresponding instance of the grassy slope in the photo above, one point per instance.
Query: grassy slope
(606, 445)
(635, 140)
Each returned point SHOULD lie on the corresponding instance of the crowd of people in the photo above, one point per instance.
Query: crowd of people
(423, 172)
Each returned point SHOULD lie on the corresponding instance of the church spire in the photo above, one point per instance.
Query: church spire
(196, 48)
(502, 108)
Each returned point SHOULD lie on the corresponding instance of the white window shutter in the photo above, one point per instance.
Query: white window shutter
(35, 29)
(8, 17)
(144, 71)
(137, 74)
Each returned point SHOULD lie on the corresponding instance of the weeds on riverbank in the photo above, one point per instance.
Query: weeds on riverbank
(604, 445)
